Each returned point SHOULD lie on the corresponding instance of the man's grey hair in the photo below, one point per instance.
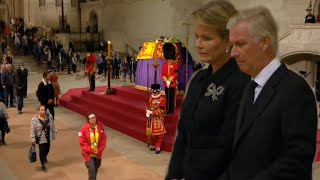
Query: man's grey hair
(261, 24)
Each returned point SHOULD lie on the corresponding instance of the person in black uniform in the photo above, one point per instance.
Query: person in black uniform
(310, 18)
(203, 146)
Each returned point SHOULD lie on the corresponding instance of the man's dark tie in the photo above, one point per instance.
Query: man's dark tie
(251, 89)
(249, 108)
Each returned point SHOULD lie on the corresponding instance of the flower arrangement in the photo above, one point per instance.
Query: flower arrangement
(169, 40)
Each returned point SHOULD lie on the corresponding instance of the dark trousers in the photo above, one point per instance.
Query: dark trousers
(49, 65)
(170, 95)
(132, 75)
(20, 103)
(69, 68)
(105, 70)
(26, 50)
(93, 166)
(2, 94)
(92, 82)
(9, 92)
(60, 67)
(100, 68)
(43, 152)
(74, 68)
(3, 135)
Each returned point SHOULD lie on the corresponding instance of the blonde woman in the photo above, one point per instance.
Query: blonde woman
(203, 147)
(42, 132)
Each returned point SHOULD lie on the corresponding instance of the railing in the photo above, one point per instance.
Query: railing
(82, 38)
(130, 50)
(293, 27)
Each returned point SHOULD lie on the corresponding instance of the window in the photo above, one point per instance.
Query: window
(42, 2)
(58, 3)
(74, 3)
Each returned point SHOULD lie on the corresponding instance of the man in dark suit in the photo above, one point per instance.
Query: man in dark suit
(275, 136)
(21, 90)
(45, 93)
(24, 75)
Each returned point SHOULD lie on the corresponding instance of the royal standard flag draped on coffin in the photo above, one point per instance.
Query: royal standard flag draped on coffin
(153, 50)
(147, 51)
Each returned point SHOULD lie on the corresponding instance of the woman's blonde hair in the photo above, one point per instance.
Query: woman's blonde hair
(215, 14)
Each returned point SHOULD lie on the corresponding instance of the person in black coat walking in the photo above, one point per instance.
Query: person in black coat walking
(21, 86)
(45, 93)
(8, 81)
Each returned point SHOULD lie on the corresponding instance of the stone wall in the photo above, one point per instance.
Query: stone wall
(143, 20)
(136, 21)
(48, 16)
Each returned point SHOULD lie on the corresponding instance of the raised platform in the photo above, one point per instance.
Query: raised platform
(124, 111)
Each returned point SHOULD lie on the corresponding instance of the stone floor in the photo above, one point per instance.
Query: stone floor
(124, 159)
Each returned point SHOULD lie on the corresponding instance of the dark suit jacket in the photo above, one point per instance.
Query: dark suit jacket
(21, 81)
(46, 92)
(279, 143)
(203, 146)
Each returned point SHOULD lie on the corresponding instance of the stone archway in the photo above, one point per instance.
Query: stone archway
(307, 64)
(93, 21)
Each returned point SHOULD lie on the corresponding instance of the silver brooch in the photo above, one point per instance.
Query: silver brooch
(214, 91)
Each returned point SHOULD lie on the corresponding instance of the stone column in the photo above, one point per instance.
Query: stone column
(10, 4)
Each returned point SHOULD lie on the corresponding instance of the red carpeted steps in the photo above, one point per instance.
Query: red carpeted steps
(124, 111)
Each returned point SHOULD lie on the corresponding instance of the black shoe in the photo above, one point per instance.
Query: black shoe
(157, 151)
(152, 148)
(44, 168)
(4, 143)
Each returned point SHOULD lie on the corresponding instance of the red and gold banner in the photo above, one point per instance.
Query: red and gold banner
(153, 50)
(147, 51)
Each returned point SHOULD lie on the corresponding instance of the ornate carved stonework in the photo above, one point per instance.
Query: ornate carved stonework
(304, 38)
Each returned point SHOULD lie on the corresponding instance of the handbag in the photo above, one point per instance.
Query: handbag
(32, 154)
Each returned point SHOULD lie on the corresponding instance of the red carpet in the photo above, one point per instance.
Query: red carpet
(124, 111)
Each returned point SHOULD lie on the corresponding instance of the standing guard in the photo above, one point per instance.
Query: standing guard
(169, 74)
(154, 112)
(91, 68)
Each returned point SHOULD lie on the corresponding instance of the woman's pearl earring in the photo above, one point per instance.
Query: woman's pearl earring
(227, 50)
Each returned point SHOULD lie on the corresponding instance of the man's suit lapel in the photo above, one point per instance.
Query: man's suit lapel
(260, 104)
(240, 115)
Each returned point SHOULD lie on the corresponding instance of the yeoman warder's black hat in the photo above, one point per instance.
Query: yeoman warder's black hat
(155, 88)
